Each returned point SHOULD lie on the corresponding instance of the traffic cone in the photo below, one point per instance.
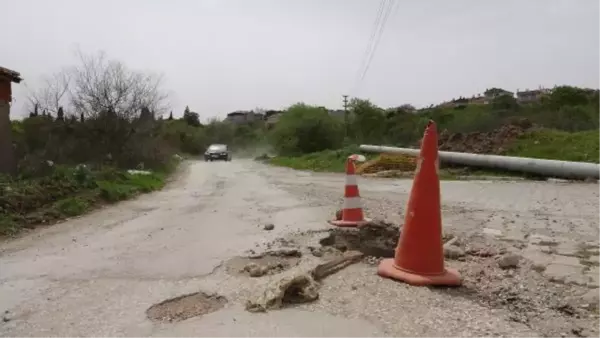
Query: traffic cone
(419, 258)
(352, 213)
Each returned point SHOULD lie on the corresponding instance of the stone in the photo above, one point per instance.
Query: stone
(317, 252)
(567, 249)
(567, 260)
(591, 261)
(537, 239)
(269, 226)
(560, 272)
(492, 232)
(453, 252)
(590, 300)
(509, 261)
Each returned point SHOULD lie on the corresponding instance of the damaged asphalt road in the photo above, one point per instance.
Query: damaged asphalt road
(97, 275)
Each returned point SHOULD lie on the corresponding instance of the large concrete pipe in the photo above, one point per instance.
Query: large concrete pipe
(553, 168)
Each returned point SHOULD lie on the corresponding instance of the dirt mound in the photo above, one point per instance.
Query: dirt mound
(494, 142)
(184, 307)
(378, 239)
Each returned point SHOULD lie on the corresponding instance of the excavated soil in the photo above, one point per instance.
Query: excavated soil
(493, 142)
(184, 307)
(378, 239)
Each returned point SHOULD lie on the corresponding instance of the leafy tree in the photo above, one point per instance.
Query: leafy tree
(171, 116)
(191, 118)
(305, 129)
(368, 121)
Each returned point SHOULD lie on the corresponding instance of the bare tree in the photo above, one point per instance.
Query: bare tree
(101, 86)
(52, 94)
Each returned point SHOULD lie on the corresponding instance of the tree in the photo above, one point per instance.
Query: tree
(306, 129)
(368, 121)
(171, 116)
(52, 95)
(190, 117)
(99, 85)
(60, 115)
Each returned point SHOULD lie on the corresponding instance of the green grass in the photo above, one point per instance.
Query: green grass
(67, 192)
(558, 145)
(323, 161)
(545, 144)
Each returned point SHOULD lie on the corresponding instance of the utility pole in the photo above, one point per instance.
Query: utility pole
(345, 114)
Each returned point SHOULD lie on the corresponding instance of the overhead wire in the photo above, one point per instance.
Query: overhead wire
(388, 8)
(374, 30)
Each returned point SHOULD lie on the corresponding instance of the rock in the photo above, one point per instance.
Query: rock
(269, 227)
(258, 271)
(509, 261)
(588, 300)
(255, 270)
(285, 252)
(338, 215)
(317, 252)
(453, 252)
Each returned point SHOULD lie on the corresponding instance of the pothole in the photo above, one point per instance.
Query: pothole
(379, 239)
(269, 263)
(184, 307)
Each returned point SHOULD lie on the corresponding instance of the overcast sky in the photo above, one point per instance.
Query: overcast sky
(219, 56)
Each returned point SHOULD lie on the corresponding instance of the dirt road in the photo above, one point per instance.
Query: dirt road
(98, 274)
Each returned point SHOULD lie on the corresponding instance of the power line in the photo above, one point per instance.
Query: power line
(371, 40)
(388, 10)
(381, 30)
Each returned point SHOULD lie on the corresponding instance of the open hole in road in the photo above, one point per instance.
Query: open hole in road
(378, 239)
(185, 306)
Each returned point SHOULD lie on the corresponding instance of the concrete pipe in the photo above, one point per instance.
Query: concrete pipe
(553, 168)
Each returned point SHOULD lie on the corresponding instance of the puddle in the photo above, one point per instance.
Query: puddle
(184, 307)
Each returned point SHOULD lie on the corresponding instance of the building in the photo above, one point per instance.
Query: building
(493, 93)
(8, 164)
(535, 95)
(243, 117)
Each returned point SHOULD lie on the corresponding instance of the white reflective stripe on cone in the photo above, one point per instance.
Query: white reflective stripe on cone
(352, 203)
(351, 180)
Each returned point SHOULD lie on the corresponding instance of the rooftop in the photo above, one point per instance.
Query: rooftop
(10, 74)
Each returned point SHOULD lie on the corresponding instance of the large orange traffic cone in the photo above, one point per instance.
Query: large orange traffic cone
(352, 213)
(419, 258)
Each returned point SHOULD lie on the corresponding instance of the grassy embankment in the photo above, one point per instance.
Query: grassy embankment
(68, 192)
(545, 144)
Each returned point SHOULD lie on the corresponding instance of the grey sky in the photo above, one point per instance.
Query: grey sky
(224, 55)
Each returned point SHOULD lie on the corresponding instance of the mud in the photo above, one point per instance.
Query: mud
(378, 239)
(184, 307)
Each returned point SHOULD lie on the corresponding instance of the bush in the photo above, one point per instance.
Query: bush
(67, 192)
(305, 129)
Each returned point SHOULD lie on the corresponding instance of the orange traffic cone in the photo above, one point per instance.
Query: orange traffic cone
(352, 213)
(419, 258)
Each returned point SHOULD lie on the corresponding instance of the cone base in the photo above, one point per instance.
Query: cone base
(387, 269)
(349, 224)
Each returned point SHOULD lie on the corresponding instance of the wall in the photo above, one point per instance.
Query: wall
(5, 89)
(7, 160)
